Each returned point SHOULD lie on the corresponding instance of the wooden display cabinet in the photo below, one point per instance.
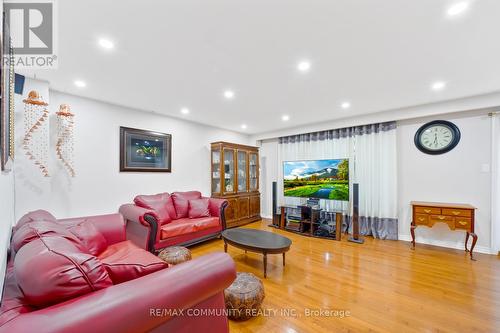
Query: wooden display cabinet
(235, 177)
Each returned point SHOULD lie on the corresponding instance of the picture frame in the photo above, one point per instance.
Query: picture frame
(145, 151)
(6, 100)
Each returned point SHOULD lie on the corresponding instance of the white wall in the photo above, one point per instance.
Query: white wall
(99, 187)
(452, 177)
(7, 219)
(455, 177)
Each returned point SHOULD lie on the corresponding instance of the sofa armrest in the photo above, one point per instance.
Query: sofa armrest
(141, 218)
(127, 307)
(111, 226)
(217, 207)
(134, 213)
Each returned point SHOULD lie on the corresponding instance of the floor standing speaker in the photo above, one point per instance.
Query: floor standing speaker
(355, 216)
(276, 216)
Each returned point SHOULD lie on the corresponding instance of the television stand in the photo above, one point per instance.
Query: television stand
(305, 220)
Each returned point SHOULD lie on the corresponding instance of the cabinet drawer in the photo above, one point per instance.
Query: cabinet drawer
(421, 219)
(457, 212)
(427, 210)
(440, 218)
(463, 223)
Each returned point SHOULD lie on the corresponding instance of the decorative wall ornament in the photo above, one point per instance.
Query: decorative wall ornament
(65, 141)
(35, 142)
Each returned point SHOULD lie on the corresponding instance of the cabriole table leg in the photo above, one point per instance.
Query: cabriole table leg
(474, 240)
(412, 232)
(466, 241)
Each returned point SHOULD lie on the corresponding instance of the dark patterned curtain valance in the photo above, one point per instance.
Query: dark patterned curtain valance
(339, 133)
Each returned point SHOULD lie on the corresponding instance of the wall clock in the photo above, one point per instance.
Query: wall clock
(437, 137)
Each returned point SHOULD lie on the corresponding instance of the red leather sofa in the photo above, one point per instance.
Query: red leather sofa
(82, 275)
(181, 218)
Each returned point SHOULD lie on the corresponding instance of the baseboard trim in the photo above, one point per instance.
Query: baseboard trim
(450, 245)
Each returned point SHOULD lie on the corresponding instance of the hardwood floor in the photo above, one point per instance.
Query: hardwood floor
(384, 285)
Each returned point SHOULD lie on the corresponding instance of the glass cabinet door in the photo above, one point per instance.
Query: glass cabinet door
(229, 171)
(253, 172)
(216, 181)
(242, 171)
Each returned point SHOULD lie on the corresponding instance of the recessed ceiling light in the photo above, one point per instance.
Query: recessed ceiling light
(244, 126)
(345, 105)
(80, 83)
(184, 110)
(106, 43)
(229, 94)
(438, 85)
(457, 8)
(304, 66)
(285, 117)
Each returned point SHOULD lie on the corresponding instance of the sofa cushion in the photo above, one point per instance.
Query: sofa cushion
(52, 269)
(171, 208)
(37, 215)
(198, 208)
(33, 230)
(181, 202)
(187, 225)
(126, 261)
(111, 226)
(159, 203)
(90, 238)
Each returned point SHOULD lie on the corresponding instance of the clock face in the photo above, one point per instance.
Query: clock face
(437, 137)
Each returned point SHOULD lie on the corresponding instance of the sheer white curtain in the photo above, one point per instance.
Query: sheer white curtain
(495, 182)
(371, 151)
(375, 170)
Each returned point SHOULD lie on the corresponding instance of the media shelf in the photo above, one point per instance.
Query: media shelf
(309, 221)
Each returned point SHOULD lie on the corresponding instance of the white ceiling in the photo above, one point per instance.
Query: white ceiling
(378, 55)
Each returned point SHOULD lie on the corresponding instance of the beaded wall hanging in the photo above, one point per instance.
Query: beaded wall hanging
(36, 128)
(64, 145)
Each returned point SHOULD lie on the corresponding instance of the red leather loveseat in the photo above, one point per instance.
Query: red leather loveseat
(182, 218)
(82, 275)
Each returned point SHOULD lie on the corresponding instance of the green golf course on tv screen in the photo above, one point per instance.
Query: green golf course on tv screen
(320, 179)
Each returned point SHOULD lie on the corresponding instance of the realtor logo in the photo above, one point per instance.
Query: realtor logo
(32, 31)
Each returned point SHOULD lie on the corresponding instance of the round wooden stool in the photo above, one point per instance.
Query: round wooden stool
(244, 297)
(175, 255)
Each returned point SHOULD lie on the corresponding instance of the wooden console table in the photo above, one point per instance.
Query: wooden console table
(456, 216)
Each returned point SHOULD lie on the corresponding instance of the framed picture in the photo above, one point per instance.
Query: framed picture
(145, 151)
(6, 100)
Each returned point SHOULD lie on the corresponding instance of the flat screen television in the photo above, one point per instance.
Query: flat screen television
(320, 179)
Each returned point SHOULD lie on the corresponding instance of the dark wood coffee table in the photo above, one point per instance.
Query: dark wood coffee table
(258, 241)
